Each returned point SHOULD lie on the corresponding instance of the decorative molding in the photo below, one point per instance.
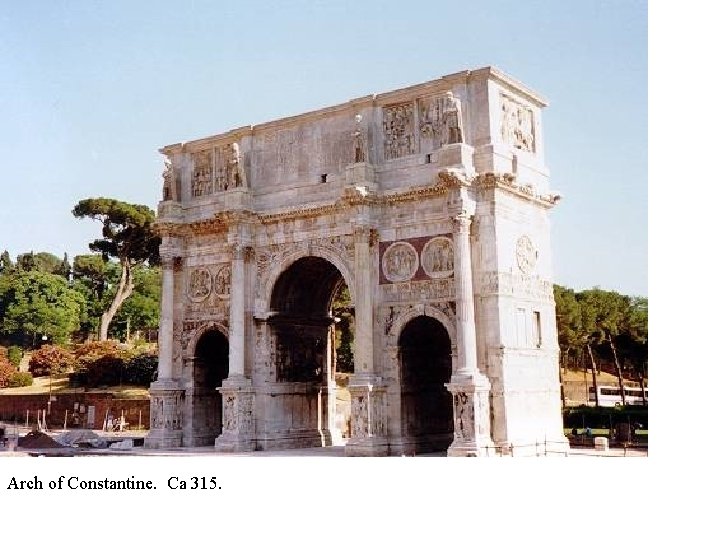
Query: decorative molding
(433, 289)
(507, 183)
(518, 285)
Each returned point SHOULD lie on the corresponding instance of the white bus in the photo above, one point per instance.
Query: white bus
(610, 395)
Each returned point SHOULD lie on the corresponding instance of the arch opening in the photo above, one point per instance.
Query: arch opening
(210, 365)
(311, 323)
(424, 353)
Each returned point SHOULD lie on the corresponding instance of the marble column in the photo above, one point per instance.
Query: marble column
(237, 395)
(166, 396)
(469, 387)
(368, 430)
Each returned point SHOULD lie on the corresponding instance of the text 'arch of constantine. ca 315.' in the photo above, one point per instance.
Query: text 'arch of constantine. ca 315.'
(429, 207)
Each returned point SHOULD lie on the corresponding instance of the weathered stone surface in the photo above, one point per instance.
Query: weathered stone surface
(429, 202)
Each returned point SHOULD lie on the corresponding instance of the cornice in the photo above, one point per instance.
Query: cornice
(507, 183)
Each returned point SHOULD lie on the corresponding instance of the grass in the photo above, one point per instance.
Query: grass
(61, 385)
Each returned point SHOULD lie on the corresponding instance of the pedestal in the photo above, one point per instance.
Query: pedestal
(361, 174)
(238, 416)
(471, 414)
(166, 415)
(368, 417)
(456, 155)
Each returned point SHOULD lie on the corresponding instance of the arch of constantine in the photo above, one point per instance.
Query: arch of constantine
(430, 205)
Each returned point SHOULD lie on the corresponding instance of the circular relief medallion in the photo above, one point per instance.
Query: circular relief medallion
(199, 284)
(222, 281)
(437, 257)
(526, 254)
(400, 262)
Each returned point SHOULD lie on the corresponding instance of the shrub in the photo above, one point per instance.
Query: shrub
(6, 372)
(89, 352)
(604, 417)
(15, 355)
(106, 371)
(141, 370)
(22, 378)
(50, 360)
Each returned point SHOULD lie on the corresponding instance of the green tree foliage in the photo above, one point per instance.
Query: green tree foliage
(20, 379)
(604, 323)
(6, 264)
(126, 236)
(141, 311)
(343, 310)
(42, 262)
(35, 303)
(92, 277)
(15, 355)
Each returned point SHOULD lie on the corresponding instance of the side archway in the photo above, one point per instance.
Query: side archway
(424, 354)
(206, 367)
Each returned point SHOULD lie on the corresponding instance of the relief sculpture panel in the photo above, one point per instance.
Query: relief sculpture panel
(518, 128)
(399, 130)
(437, 257)
(400, 262)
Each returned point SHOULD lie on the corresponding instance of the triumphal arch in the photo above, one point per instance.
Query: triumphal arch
(430, 205)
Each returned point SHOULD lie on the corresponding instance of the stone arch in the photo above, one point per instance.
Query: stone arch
(189, 351)
(332, 256)
(422, 309)
(424, 365)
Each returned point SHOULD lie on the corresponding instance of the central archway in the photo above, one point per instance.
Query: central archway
(209, 368)
(424, 352)
(304, 330)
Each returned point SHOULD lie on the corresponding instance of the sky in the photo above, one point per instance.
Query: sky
(90, 90)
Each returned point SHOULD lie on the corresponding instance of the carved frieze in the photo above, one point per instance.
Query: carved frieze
(399, 130)
(517, 126)
(437, 257)
(436, 289)
(519, 285)
(400, 262)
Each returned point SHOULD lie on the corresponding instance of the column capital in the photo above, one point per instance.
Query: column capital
(365, 234)
(240, 251)
(461, 222)
(170, 261)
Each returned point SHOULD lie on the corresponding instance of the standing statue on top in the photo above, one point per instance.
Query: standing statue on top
(452, 120)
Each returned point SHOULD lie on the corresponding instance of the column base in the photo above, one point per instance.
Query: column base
(368, 417)
(471, 411)
(166, 401)
(478, 448)
(367, 447)
(238, 415)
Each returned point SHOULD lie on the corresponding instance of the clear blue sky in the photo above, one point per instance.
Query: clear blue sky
(90, 90)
